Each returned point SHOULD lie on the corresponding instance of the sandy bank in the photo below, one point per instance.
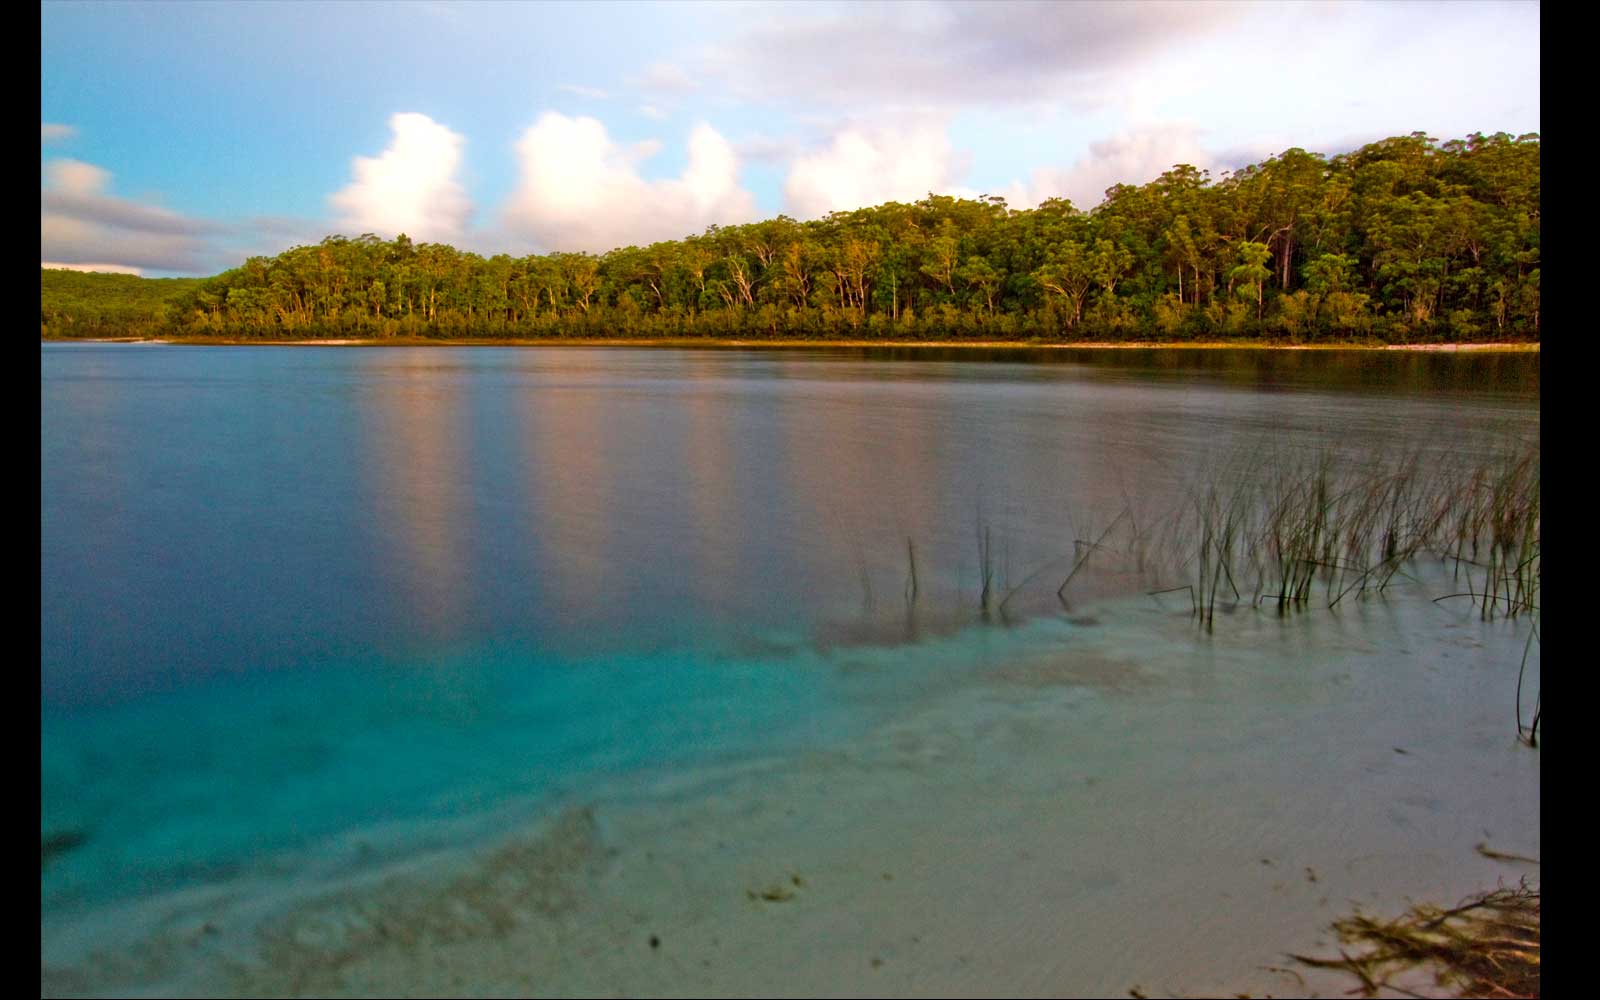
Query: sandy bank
(686, 342)
(1462, 347)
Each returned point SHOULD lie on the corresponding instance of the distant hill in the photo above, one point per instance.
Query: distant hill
(85, 304)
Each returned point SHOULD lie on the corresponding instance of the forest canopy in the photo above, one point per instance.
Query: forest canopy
(1403, 240)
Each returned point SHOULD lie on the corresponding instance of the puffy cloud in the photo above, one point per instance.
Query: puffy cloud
(81, 224)
(408, 188)
(865, 166)
(76, 190)
(76, 178)
(579, 190)
(51, 132)
(1134, 157)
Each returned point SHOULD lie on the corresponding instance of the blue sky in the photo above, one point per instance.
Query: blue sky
(181, 138)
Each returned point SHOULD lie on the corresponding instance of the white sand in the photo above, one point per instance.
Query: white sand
(1463, 347)
(1142, 807)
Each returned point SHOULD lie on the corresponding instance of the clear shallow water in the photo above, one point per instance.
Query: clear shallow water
(295, 596)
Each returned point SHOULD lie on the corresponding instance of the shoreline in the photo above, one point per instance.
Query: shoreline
(720, 342)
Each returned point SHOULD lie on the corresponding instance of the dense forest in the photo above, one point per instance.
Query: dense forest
(79, 304)
(1403, 240)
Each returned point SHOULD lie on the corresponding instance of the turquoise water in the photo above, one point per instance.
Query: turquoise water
(249, 775)
(307, 608)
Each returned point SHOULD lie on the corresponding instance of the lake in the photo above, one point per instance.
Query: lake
(474, 669)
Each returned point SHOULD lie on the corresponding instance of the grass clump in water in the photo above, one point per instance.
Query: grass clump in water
(1278, 527)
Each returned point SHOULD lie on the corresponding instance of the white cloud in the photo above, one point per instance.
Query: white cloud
(582, 191)
(51, 132)
(81, 224)
(591, 93)
(74, 177)
(77, 190)
(865, 166)
(1134, 157)
(868, 56)
(410, 187)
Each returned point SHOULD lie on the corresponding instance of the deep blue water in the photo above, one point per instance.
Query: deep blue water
(291, 595)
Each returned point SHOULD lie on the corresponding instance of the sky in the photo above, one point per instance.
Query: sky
(182, 138)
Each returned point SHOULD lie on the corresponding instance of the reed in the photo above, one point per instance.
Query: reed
(985, 568)
(1220, 524)
(1529, 735)
(1082, 550)
(1281, 527)
(912, 588)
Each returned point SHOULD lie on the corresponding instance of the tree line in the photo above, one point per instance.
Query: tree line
(1402, 240)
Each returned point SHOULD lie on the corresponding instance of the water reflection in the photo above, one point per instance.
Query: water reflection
(582, 499)
(1473, 372)
(712, 473)
(418, 440)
